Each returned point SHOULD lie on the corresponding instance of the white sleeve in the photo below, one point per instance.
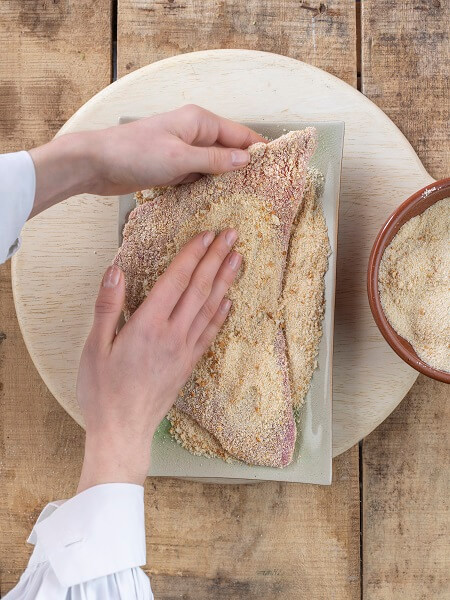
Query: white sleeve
(17, 189)
(89, 548)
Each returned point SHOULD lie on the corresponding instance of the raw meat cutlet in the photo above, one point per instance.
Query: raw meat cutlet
(240, 390)
(304, 287)
(303, 307)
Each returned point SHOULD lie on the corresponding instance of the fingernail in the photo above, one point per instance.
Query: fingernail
(225, 305)
(111, 277)
(234, 260)
(231, 237)
(239, 157)
(208, 238)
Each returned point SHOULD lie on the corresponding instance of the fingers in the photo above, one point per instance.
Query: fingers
(207, 337)
(222, 282)
(169, 288)
(204, 128)
(233, 134)
(213, 159)
(201, 285)
(108, 306)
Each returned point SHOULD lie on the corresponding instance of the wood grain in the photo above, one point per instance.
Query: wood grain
(264, 541)
(267, 540)
(49, 65)
(406, 491)
(405, 476)
(406, 57)
(320, 33)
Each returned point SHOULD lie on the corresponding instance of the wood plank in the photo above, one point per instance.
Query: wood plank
(405, 58)
(406, 495)
(320, 33)
(405, 483)
(54, 56)
(261, 541)
(266, 540)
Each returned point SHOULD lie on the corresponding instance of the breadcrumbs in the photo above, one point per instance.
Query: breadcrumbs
(415, 287)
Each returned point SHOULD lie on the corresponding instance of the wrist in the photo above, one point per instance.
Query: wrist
(64, 167)
(108, 461)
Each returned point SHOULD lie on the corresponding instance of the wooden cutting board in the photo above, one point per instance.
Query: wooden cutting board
(66, 249)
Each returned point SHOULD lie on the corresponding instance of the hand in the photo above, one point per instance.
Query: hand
(128, 381)
(166, 149)
(170, 148)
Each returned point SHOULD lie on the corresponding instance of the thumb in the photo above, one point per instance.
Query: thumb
(108, 305)
(215, 159)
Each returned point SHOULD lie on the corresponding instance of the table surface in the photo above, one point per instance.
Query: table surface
(379, 531)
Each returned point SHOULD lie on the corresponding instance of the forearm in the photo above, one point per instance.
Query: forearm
(107, 459)
(162, 150)
(64, 167)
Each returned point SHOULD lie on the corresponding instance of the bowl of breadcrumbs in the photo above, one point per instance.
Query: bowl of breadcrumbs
(408, 280)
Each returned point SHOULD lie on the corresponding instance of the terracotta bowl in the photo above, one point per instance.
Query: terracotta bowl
(415, 205)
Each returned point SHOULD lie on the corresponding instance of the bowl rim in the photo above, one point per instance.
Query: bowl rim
(432, 191)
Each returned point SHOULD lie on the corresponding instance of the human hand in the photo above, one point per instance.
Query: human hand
(166, 149)
(169, 148)
(128, 381)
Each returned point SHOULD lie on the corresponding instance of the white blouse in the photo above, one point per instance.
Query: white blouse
(91, 546)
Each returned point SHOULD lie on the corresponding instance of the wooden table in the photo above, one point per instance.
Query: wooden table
(379, 531)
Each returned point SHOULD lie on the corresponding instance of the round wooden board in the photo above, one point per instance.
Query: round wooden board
(66, 249)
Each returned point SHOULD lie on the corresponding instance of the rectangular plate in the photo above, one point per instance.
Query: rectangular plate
(312, 461)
